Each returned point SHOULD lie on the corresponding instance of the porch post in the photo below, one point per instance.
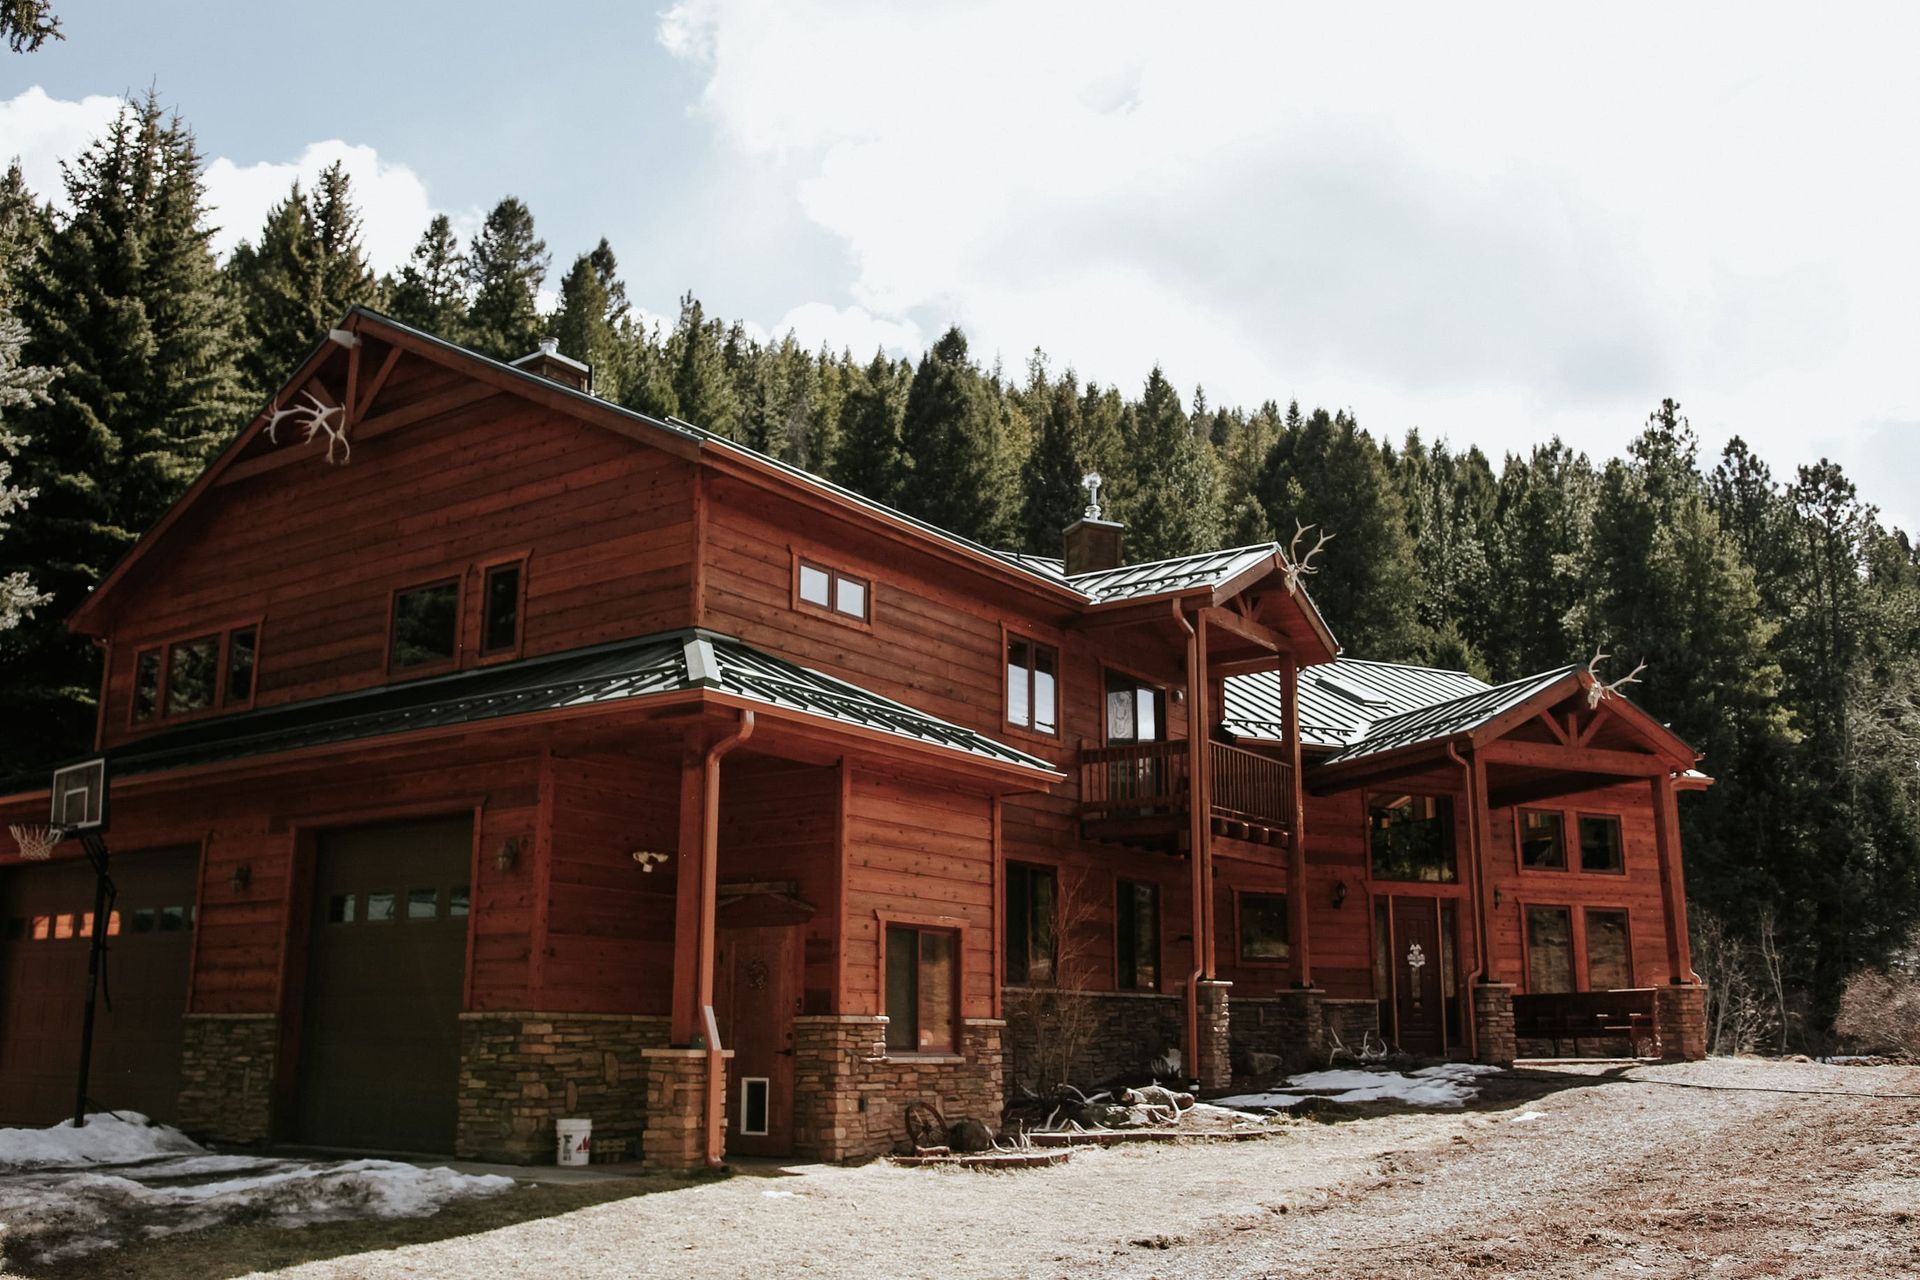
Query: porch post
(1297, 915)
(689, 874)
(1673, 889)
(1200, 799)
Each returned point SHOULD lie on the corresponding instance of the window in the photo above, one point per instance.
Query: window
(146, 685)
(1412, 839)
(243, 644)
(1549, 950)
(1263, 927)
(1609, 961)
(380, 908)
(423, 904)
(833, 591)
(1032, 673)
(921, 973)
(1133, 710)
(1031, 894)
(340, 908)
(1543, 841)
(192, 668)
(1137, 945)
(500, 620)
(457, 900)
(426, 625)
(1600, 845)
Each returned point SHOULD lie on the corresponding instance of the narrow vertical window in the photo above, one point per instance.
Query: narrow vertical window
(243, 646)
(1033, 685)
(1030, 917)
(500, 625)
(1137, 914)
(146, 686)
(192, 668)
(426, 624)
(922, 989)
(1549, 950)
(903, 988)
(1609, 962)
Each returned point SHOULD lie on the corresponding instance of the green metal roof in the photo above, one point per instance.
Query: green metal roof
(1446, 719)
(1341, 701)
(671, 662)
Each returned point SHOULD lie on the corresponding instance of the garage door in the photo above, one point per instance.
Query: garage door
(380, 1043)
(47, 912)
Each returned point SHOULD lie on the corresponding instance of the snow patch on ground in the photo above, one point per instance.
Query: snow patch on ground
(65, 1192)
(1450, 1084)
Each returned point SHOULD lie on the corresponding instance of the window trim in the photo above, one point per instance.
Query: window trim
(1006, 916)
(459, 581)
(135, 723)
(222, 635)
(863, 622)
(1034, 639)
(484, 570)
(1240, 931)
(1159, 937)
(1570, 819)
(883, 920)
(1162, 700)
(1451, 818)
(167, 713)
(259, 627)
(1520, 813)
(1575, 948)
(1578, 853)
(1586, 960)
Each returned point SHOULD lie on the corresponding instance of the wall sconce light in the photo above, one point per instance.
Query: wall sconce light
(648, 859)
(1339, 893)
(1497, 895)
(242, 877)
(509, 855)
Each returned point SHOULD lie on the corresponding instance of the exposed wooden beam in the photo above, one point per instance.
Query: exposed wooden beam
(378, 383)
(1245, 628)
(1553, 727)
(459, 397)
(1544, 755)
(1552, 788)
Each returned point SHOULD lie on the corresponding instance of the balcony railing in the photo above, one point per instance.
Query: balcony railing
(1252, 794)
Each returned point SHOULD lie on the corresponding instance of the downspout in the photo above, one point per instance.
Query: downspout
(1477, 972)
(1202, 952)
(709, 909)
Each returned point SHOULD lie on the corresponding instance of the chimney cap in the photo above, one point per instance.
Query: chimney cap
(1091, 482)
(549, 363)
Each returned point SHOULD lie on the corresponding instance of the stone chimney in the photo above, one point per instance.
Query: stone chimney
(550, 364)
(1090, 543)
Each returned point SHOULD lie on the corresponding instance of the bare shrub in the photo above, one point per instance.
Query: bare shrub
(1743, 1009)
(1057, 1021)
(1880, 1008)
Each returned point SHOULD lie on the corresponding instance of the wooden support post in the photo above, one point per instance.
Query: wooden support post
(1297, 916)
(1673, 888)
(1199, 757)
(1482, 840)
(689, 873)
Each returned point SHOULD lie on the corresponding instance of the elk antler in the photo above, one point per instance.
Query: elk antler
(1299, 566)
(313, 417)
(1599, 691)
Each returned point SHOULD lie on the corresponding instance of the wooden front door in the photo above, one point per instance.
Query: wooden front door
(1415, 959)
(757, 990)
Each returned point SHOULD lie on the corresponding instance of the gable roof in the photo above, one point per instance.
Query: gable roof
(1447, 719)
(1339, 701)
(1202, 571)
(676, 662)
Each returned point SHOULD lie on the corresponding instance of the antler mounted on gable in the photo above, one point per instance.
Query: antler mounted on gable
(1599, 690)
(313, 418)
(1299, 566)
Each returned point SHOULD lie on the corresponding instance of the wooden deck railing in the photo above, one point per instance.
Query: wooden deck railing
(1149, 778)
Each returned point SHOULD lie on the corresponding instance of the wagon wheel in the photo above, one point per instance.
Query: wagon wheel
(926, 1127)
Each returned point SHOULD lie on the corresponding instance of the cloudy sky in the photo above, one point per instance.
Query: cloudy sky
(1493, 227)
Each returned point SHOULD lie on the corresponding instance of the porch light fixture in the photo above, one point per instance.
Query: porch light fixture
(242, 877)
(509, 855)
(648, 859)
(1497, 895)
(1339, 894)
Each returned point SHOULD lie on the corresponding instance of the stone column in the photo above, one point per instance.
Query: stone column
(1493, 1022)
(675, 1138)
(1214, 1070)
(226, 1075)
(1680, 1021)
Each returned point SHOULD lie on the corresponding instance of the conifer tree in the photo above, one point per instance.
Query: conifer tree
(505, 267)
(431, 293)
(1175, 508)
(696, 357)
(871, 458)
(1054, 497)
(125, 302)
(587, 324)
(960, 442)
(645, 377)
(21, 385)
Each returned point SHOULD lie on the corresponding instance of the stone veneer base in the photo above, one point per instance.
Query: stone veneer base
(1493, 1023)
(520, 1071)
(226, 1075)
(850, 1097)
(1680, 1021)
(1125, 1033)
(1289, 1027)
(1214, 1070)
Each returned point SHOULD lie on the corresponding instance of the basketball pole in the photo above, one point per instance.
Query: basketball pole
(96, 954)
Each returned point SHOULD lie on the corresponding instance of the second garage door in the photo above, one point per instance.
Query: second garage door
(380, 1043)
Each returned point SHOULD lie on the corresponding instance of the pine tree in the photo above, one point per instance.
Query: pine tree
(593, 307)
(345, 277)
(1175, 507)
(696, 358)
(21, 385)
(961, 448)
(431, 293)
(505, 268)
(125, 302)
(27, 24)
(645, 377)
(1054, 497)
(871, 459)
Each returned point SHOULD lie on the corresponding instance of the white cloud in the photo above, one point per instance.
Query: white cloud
(44, 131)
(1494, 223)
(850, 329)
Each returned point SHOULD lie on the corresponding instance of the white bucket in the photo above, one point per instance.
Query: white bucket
(573, 1141)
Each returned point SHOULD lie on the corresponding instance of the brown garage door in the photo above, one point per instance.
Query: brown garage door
(47, 913)
(380, 1044)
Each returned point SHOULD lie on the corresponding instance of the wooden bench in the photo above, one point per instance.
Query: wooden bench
(1586, 1015)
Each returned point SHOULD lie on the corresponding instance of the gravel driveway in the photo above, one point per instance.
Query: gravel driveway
(1659, 1171)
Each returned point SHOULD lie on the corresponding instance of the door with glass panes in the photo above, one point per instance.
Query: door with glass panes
(1136, 715)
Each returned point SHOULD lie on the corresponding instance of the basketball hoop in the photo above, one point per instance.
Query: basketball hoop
(36, 842)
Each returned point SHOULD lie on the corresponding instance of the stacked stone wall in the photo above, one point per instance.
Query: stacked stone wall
(1214, 1071)
(1493, 1022)
(226, 1075)
(1092, 1038)
(851, 1096)
(520, 1072)
(1284, 1032)
(1680, 1021)
(675, 1136)
(1351, 1020)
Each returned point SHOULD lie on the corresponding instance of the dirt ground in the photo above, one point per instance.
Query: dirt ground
(1728, 1168)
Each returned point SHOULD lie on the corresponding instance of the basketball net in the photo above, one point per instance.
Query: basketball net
(36, 842)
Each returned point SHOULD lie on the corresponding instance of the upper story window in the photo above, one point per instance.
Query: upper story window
(184, 678)
(833, 591)
(426, 626)
(1600, 844)
(1033, 685)
(1411, 838)
(1544, 845)
(500, 609)
(1543, 840)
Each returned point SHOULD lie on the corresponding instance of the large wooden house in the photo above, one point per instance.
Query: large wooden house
(488, 754)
